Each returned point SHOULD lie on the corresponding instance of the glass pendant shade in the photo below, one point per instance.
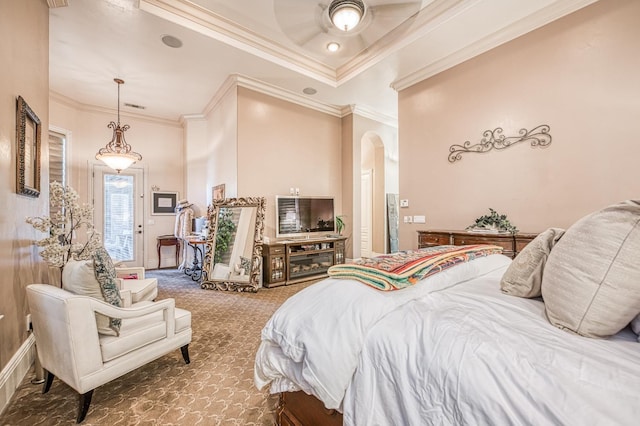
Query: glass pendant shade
(346, 14)
(117, 154)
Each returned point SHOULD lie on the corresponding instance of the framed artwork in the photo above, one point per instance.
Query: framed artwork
(218, 192)
(28, 138)
(164, 203)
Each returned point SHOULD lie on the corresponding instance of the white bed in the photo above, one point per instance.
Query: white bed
(450, 350)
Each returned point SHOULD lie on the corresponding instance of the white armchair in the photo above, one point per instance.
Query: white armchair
(70, 347)
(141, 288)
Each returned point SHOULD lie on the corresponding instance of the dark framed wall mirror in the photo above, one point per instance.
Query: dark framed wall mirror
(233, 251)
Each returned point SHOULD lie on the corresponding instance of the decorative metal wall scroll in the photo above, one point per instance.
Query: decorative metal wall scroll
(494, 139)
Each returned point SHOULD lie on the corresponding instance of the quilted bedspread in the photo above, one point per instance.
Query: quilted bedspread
(399, 270)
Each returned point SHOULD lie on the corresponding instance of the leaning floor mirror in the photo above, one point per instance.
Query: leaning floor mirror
(233, 252)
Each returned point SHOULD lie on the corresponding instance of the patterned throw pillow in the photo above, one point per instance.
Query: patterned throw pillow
(106, 276)
(245, 264)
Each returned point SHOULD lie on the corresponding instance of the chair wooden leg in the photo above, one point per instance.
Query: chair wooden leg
(185, 354)
(83, 406)
(48, 379)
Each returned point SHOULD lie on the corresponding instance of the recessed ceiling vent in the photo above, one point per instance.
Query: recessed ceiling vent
(134, 106)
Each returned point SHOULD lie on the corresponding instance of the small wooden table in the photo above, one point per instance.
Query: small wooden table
(168, 240)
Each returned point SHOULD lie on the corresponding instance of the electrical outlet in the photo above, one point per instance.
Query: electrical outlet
(404, 203)
(408, 219)
(29, 325)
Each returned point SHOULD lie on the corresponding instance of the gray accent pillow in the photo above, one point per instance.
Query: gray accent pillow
(523, 278)
(591, 284)
(635, 326)
(106, 276)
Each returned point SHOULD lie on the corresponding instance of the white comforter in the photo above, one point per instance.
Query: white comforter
(313, 342)
(452, 350)
(474, 356)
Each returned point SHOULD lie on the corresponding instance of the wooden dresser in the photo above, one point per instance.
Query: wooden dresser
(511, 243)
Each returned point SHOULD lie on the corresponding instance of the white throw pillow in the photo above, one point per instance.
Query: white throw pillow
(78, 277)
(591, 283)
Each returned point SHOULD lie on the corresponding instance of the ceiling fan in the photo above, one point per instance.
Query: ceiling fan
(313, 24)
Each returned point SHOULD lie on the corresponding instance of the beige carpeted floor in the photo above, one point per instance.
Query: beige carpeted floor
(215, 389)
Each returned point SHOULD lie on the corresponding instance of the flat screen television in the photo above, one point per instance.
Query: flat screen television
(304, 216)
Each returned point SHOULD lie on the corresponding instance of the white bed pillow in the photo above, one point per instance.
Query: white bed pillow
(523, 278)
(591, 283)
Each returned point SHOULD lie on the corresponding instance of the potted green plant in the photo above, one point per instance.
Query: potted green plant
(225, 230)
(340, 225)
(493, 222)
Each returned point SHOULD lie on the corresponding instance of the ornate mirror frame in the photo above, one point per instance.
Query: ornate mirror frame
(213, 212)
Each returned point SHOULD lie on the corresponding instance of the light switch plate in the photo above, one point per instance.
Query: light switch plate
(419, 219)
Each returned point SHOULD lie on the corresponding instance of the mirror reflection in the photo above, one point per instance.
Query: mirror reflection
(234, 251)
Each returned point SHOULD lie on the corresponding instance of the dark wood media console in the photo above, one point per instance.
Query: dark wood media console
(295, 261)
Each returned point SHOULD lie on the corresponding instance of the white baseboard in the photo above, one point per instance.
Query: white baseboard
(13, 373)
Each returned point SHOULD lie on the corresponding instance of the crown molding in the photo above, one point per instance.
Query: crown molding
(286, 95)
(206, 22)
(427, 20)
(192, 117)
(370, 114)
(64, 100)
(221, 93)
(237, 80)
(542, 17)
(57, 3)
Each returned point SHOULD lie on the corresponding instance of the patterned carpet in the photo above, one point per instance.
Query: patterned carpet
(215, 389)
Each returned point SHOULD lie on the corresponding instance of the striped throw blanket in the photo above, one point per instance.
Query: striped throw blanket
(399, 270)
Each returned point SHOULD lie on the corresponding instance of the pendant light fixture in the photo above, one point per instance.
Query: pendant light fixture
(117, 154)
(346, 14)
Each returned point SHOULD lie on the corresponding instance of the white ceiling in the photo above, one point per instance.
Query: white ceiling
(276, 45)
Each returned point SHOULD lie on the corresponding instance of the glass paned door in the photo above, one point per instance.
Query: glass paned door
(118, 213)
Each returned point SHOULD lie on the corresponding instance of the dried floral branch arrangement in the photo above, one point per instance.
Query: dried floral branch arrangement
(61, 244)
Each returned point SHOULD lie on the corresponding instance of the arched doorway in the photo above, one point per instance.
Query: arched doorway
(372, 196)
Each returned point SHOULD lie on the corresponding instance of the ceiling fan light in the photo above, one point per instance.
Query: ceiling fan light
(346, 14)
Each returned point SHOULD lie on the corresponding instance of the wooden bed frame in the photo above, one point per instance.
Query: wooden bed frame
(300, 409)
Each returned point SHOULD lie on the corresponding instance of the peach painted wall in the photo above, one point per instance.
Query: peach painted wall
(283, 145)
(159, 141)
(24, 47)
(196, 161)
(580, 76)
(222, 142)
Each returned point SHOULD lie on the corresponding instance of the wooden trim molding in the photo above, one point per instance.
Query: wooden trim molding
(13, 373)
